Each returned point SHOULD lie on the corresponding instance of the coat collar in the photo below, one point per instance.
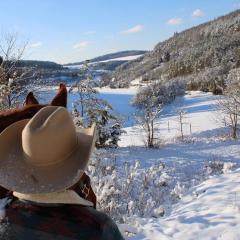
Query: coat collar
(63, 197)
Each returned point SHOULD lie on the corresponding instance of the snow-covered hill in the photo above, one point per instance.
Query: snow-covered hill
(174, 58)
(120, 60)
(109, 62)
(127, 58)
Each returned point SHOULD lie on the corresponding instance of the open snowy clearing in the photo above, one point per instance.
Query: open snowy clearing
(211, 215)
(201, 118)
(185, 161)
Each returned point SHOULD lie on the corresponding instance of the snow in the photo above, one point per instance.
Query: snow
(201, 171)
(127, 58)
(119, 98)
(209, 206)
(209, 210)
(212, 212)
(3, 203)
(136, 81)
(200, 111)
(77, 66)
(125, 91)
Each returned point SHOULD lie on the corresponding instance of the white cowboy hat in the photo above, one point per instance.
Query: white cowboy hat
(45, 154)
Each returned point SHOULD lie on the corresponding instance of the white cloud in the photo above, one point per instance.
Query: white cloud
(198, 13)
(81, 45)
(175, 21)
(35, 45)
(135, 29)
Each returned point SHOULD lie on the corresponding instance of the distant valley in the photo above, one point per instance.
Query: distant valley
(109, 62)
(201, 56)
(52, 73)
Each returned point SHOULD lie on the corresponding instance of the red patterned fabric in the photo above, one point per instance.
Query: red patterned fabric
(25, 220)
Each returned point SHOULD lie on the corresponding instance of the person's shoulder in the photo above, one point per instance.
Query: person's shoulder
(79, 220)
(85, 212)
(109, 228)
(102, 217)
(93, 215)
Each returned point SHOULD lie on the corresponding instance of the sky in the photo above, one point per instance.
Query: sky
(74, 30)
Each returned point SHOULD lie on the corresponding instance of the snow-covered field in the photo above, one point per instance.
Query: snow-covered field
(210, 210)
(201, 191)
(201, 118)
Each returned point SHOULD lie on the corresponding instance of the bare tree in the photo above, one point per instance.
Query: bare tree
(229, 104)
(11, 76)
(147, 119)
(230, 108)
(86, 90)
(149, 109)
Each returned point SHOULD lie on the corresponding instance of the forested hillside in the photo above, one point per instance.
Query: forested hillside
(202, 56)
(39, 64)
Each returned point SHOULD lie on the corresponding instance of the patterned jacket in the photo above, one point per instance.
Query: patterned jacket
(28, 221)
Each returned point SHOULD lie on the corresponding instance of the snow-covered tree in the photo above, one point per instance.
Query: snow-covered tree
(230, 103)
(149, 101)
(127, 191)
(89, 108)
(148, 110)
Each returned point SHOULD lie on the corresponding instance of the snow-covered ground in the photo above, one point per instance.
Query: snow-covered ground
(120, 99)
(208, 208)
(208, 211)
(118, 91)
(201, 118)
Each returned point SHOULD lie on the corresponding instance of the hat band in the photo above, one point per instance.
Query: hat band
(45, 164)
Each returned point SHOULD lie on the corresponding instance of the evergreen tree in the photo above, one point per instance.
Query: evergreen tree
(89, 108)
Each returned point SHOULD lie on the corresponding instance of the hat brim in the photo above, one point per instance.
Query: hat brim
(17, 174)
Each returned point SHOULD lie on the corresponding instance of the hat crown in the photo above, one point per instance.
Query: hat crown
(49, 137)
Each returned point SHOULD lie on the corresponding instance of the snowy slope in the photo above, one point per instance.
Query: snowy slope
(210, 212)
(123, 59)
(127, 58)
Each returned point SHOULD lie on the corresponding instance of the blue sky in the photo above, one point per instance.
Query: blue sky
(73, 30)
